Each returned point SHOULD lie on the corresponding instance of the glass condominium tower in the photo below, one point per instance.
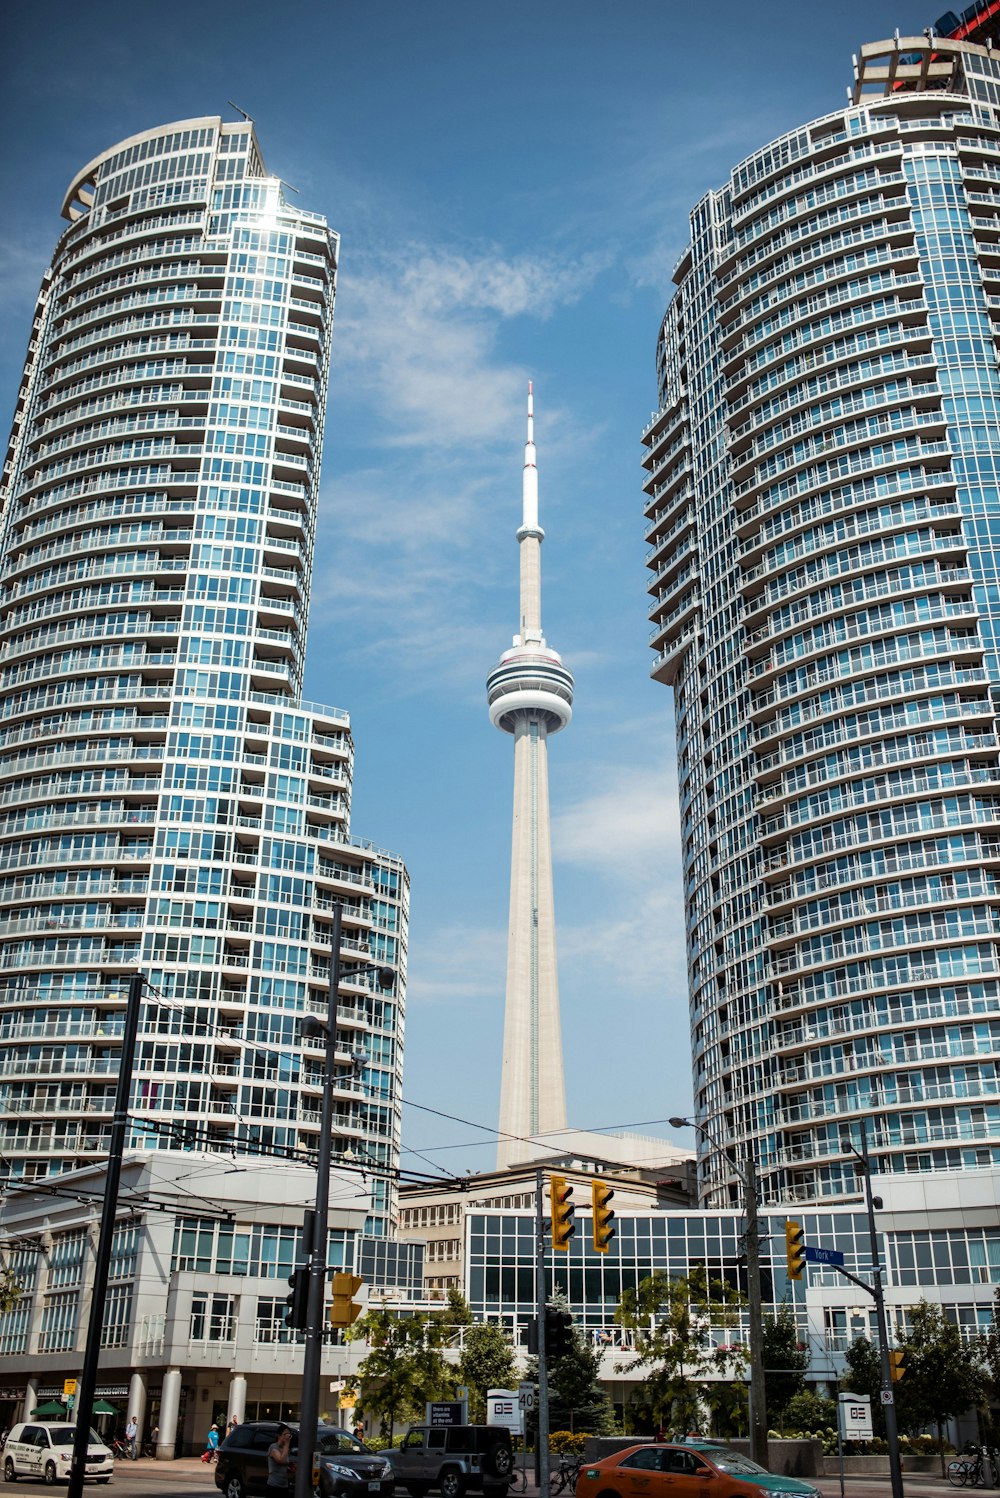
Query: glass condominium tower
(823, 507)
(168, 803)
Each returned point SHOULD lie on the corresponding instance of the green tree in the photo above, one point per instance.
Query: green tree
(487, 1362)
(945, 1376)
(729, 1408)
(404, 1368)
(785, 1362)
(670, 1320)
(989, 1346)
(577, 1400)
(810, 1411)
(10, 1289)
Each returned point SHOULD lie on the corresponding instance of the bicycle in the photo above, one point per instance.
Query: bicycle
(566, 1474)
(969, 1471)
(120, 1449)
(517, 1482)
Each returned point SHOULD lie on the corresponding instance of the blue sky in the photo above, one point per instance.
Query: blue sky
(512, 184)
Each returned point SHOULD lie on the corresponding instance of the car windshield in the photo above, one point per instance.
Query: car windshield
(340, 1442)
(64, 1435)
(728, 1460)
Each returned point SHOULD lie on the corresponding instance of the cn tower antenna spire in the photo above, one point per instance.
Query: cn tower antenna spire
(530, 696)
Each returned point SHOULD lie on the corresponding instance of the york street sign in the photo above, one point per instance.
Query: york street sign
(823, 1255)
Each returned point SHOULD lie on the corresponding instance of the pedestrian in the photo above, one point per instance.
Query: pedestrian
(277, 1459)
(231, 1426)
(359, 1431)
(213, 1444)
(132, 1436)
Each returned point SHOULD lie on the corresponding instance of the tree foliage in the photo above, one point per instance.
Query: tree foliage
(990, 1352)
(810, 1411)
(670, 1320)
(785, 1362)
(404, 1367)
(945, 1376)
(10, 1289)
(487, 1362)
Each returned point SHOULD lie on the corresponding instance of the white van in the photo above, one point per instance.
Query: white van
(44, 1449)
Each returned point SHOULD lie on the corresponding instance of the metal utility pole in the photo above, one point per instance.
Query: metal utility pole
(751, 1198)
(318, 1268)
(312, 1357)
(888, 1397)
(86, 1388)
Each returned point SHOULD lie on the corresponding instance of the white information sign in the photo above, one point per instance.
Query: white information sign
(855, 1417)
(503, 1408)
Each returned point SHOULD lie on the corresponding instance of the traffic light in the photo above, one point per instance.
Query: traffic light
(897, 1365)
(558, 1333)
(601, 1195)
(297, 1315)
(345, 1310)
(529, 1337)
(795, 1249)
(563, 1226)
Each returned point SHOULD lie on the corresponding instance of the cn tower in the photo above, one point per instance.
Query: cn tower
(530, 695)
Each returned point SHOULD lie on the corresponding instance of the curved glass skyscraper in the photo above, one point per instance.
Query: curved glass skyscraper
(168, 803)
(823, 508)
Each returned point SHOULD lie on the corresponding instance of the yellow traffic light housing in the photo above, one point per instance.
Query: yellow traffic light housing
(563, 1210)
(897, 1365)
(345, 1310)
(601, 1194)
(795, 1249)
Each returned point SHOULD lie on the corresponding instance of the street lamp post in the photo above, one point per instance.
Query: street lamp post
(758, 1396)
(312, 1357)
(888, 1403)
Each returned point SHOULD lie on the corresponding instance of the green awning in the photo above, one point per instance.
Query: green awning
(102, 1407)
(53, 1407)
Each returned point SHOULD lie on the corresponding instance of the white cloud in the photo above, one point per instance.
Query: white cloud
(631, 820)
(454, 966)
(417, 333)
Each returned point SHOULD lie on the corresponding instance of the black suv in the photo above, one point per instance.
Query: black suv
(347, 1469)
(454, 1459)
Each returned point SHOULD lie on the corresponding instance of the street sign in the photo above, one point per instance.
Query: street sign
(855, 1412)
(69, 1387)
(526, 1396)
(886, 1397)
(823, 1255)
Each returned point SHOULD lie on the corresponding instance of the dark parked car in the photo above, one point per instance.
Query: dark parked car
(347, 1469)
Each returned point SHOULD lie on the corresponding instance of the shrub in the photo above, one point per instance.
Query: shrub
(569, 1441)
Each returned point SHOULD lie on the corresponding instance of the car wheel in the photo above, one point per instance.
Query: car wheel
(9, 1475)
(50, 1474)
(233, 1487)
(451, 1483)
(498, 1461)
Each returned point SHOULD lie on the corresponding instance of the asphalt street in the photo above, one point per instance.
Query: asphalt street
(190, 1478)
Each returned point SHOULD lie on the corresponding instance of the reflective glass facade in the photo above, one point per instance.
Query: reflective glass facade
(168, 803)
(823, 508)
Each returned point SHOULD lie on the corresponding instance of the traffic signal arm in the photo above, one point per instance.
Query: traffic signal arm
(795, 1250)
(563, 1210)
(600, 1195)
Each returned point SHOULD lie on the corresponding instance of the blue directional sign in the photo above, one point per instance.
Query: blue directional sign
(823, 1255)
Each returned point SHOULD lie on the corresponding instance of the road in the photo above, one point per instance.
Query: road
(190, 1478)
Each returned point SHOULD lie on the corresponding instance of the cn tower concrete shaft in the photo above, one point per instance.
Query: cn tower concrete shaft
(530, 695)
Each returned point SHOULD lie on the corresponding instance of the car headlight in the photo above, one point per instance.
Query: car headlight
(340, 1471)
(387, 1469)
